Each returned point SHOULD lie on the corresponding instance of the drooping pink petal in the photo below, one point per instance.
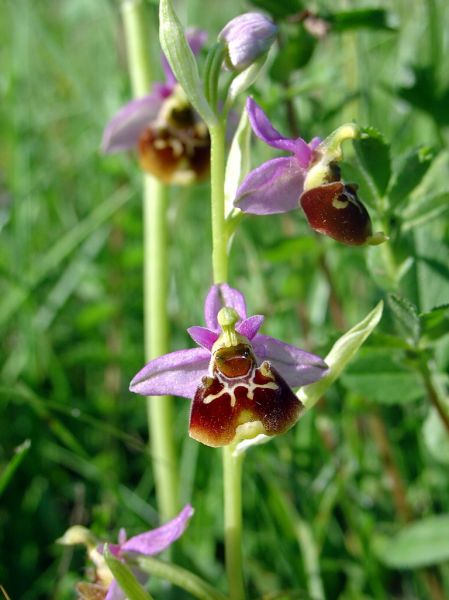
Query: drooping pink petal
(220, 295)
(267, 133)
(178, 373)
(249, 327)
(203, 336)
(296, 366)
(196, 39)
(124, 129)
(274, 187)
(157, 540)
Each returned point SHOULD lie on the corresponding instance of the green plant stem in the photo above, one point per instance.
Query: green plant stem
(159, 409)
(232, 465)
(219, 235)
(232, 485)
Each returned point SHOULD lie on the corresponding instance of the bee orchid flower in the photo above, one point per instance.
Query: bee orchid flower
(172, 141)
(240, 381)
(309, 178)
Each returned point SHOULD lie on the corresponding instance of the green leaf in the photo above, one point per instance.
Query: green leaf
(435, 323)
(406, 317)
(370, 18)
(280, 10)
(182, 60)
(424, 210)
(409, 172)
(436, 438)
(380, 377)
(294, 54)
(19, 454)
(420, 544)
(373, 153)
(342, 352)
(180, 577)
(124, 577)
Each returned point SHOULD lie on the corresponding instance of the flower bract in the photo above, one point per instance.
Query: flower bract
(172, 141)
(240, 381)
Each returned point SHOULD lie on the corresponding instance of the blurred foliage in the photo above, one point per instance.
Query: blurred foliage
(363, 479)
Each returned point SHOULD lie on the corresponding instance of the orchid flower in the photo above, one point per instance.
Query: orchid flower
(172, 141)
(146, 544)
(240, 381)
(310, 178)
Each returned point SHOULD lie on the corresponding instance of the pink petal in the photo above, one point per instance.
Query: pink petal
(274, 187)
(178, 373)
(249, 327)
(202, 336)
(115, 592)
(124, 129)
(296, 366)
(218, 296)
(157, 540)
(267, 133)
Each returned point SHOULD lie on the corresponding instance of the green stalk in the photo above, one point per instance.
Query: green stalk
(159, 409)
(232, 465)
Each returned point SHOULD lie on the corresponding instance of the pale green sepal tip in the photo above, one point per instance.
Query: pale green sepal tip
(182, 60)
(125, 578)
(340, 355)
(329, 151)
(246, 78)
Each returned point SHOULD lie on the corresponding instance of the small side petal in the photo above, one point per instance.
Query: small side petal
(157, 540)
(124, 129)
(218, 296)
(249, 327)
(178, 373)
(274, 187)
(267, 133)
(203, 336)
(296, 366)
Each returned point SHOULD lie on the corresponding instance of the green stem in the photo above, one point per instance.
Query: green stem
(232, 484)
(232, 466)
(219, 235)
(159, 409)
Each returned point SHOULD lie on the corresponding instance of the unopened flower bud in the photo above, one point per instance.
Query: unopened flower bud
(247, 37)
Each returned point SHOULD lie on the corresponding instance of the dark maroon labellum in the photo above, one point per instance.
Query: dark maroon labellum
(335, 210)
(240, 393)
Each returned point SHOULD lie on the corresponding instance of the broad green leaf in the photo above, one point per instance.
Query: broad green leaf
(370, 18)
(435, 323)
(238, 163)
(7, 473)
(406, 317)
(423, 543)
(182, 60)
(344, 349)
(280, 10)
(125, 578)
(425, 209)
(373, 153)
(409, 172)
(380, 376)
(294, 54)
(435, 437)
